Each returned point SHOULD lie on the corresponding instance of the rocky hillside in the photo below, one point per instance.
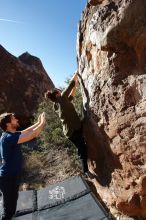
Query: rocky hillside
(111, 51)
(23, 81)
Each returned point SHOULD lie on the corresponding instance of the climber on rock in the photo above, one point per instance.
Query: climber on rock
(72, 125)
(11, 158)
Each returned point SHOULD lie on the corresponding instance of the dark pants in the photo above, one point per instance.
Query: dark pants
(9, 187)
(78, 140)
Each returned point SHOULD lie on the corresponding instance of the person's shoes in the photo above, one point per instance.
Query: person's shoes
(90, 175)
(101, 180)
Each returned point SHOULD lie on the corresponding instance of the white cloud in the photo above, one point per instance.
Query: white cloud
(8, 20)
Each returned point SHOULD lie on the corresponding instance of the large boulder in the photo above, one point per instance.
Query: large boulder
(23, 81)
(111, 54)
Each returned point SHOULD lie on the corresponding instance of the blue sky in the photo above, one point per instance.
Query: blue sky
(44, 28)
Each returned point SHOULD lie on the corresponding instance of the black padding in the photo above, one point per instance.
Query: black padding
(76, 203)
(32, 216)
(83, 208)
(26, 202)
(73, 188)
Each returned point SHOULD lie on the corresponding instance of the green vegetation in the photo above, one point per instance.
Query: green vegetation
(53, 157)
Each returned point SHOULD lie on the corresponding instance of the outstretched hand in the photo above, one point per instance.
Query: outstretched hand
(42, 118)
(75, 77)
(39, 118)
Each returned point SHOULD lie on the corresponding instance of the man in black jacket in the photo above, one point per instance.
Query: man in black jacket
(72, 125)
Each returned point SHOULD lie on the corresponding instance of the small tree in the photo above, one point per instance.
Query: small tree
(52, 136)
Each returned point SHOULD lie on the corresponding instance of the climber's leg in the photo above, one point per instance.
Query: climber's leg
(78, 140)
(9, 187)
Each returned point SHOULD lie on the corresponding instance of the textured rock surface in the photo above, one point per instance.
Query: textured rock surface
(23, 82)
(111, 48)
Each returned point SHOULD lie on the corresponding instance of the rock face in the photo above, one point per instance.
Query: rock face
(23, 82)
(111, 50)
